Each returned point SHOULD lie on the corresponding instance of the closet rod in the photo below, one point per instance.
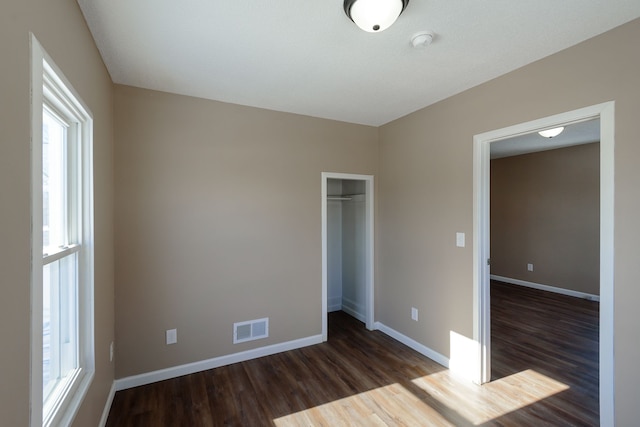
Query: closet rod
(338, 198)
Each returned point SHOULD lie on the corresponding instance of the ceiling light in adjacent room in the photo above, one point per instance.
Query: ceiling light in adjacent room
(374, 15)
(550, 133)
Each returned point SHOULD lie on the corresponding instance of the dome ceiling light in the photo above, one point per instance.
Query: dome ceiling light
(374, 16)
(551, 133)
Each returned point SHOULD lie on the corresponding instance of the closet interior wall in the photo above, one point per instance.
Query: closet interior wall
(346, 215)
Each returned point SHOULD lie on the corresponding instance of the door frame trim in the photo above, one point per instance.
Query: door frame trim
(481, 244)
(369, 245)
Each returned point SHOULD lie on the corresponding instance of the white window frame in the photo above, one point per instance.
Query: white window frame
(50, 87)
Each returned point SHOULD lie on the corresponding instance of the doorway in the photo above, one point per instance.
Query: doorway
(347, 247)
(545, 272)
(482, 321)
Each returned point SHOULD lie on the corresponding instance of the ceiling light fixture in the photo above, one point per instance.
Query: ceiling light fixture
(550, 133)
(374, 16)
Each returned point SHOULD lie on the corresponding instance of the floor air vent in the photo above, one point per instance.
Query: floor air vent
(250, 330)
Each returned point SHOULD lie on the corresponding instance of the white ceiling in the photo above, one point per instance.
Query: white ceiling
(307, 57)
(574, 134)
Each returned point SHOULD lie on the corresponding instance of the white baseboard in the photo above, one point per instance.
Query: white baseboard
(216, 362)
(569, 292)
(107, 406)
(353, 309)
(410, 342)
(334, 304)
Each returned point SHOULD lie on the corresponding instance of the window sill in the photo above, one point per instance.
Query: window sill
(62, 406)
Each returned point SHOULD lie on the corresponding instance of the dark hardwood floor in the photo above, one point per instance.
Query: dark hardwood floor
(365, 378)
(555, 335)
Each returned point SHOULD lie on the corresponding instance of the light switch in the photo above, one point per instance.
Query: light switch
(460, 240)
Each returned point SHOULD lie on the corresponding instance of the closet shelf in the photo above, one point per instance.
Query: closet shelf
(343, 196)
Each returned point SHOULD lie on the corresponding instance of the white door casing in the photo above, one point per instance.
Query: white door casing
(369, 246)
(481, 244)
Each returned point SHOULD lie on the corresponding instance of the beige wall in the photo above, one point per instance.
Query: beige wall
(218, 206)
(426, 189)
(218, 221)
(60, 28)
(545, 210)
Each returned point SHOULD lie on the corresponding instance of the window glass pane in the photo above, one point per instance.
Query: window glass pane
(60, 324)
(48, 373)
(53, 183)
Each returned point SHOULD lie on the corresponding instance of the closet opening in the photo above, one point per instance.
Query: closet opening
(347, 237)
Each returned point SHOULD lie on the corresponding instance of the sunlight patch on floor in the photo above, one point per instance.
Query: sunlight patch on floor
(439, 399)
(481, 404)
(391, 405)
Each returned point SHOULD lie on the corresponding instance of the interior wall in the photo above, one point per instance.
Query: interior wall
(354, 249)
(60, 28)
(218, 220)
(426, 193)
(184, 164)
(334, 246)
(545, 210)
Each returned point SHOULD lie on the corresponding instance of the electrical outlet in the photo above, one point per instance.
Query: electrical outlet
(111, 352)
(172, 336)
(529, 267)
(414, 314)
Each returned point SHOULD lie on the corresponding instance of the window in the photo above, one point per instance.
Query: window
(62, 246)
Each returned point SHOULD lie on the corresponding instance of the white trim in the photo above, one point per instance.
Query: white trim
(607, 276)
(325, 276)
(369, 246)
(49, 83)
(415, 345)
(59, 254)
(216, 362)
(35, 393)
(481, 288)
(548, 288)
(335, 304)
(353, 309)
(107, 405)
(481, 308)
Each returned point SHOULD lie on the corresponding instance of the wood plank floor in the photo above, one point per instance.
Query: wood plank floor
(555, 335)
(365, 378)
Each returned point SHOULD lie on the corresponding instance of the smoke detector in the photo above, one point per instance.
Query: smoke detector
(422, 39)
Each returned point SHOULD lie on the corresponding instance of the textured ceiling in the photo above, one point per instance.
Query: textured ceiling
(307, 57)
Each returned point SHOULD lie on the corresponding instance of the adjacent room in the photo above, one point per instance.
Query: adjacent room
(545, 260)
(293, 213)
